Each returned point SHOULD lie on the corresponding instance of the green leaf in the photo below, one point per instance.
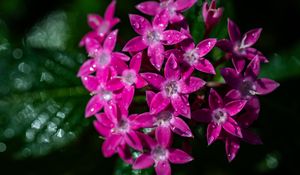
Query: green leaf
(41, 101)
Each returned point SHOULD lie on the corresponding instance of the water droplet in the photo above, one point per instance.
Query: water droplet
(137, 25)
(17, 53)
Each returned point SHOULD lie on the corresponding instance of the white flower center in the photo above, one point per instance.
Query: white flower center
(103, 28)
(219, 116)
(247, 88)
(129, 76)
(153, 37)
(171, 88)
(159, 154)
(122, 127)
(106, 95)
(103, 59)
(191, 57)
(163, 118)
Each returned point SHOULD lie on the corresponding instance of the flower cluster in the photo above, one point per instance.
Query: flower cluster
(164, 65)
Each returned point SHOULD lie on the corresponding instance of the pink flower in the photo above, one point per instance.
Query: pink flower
(219, 115)
(248, 85)
(103, 57)
(152, 37)
(211, 15)
(160, 155)
(172, 8)
(172, 89)
(120, 131)
(101, 26)
(241, 47)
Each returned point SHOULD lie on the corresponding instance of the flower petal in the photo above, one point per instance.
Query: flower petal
(124, 153)
(136, 62)
(202, 115)
(163, 136)
(238, 63)
(234, 107)
(109, 146)
(232, 78)
(94, 21)
(94, 105)
(110, 41)
(120, 56)
(250, 38)
(205, 46)
(253, 68)
(251, 53)
(265, 86)
(149, 7)
(232, 147)
(126, 96)
(145, 120)
(159, 103)
(215, 101)
(163, 168)
(182, 5)
(232, 127)
(172, 70)
(225, 45)
(232, 95)
(136, 44)
(234, 31)
(90, 83)
(160, 21)
(133, 140)
(110, 11)
(191, 85)
(178, 156)
(155, 52)
(87, 68)
(251, 137)
(171, 37)
(114, 84)
(142, 162)
(140, 82)
(213, 132)
(153, 79)
(140, 24)
(204, 65)
(149, 97)
(181, 105)
(102, 130)
(179, 127)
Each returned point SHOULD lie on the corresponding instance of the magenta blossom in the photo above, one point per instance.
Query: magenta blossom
(239, 47)
(120, 130)
(101, 26)
(160, 155)
(152, 37)
(103, 57)
(220, 116)
(211, 15)
(172, 89)
(172, 8)
(248, 85)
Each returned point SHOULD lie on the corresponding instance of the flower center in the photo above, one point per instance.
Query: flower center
(106, 95)
(163, 118)
(171, 88)
(191, 57)
(247, 88)
(104, 59)
(103, 28)
(219, 116)
(129, 77)
(153, 37)
(159, 154)
(122, 127)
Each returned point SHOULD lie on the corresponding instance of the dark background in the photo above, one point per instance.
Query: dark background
(278, 124)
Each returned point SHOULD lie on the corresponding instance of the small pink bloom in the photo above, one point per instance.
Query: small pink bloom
(211, 15)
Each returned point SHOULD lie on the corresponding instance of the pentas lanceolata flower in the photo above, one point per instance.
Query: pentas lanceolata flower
(173, 75)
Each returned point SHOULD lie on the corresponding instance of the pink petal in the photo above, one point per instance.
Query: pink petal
(251, 53)
(163, 168)
(121, 56)
(252, 109)
(118, 65)
(234, 31)
(94, 21)
(149, 97)
(191, 85)
(145, 120)
(125, 154)
(102, 130)
(133, 140)
(253, 68)
(155, 52)
(176, 18)
(160, 21)
(109, 146)
(215, 101)
(104, 120)
(172, 70)
(179, 127)
(205, 46)
(232, 95)
(232, 127)
(251, 37)
(251, 137)
(110, 11)
(238, 63)
(213, 132)
(127, 96)
(90, 83)
(187, 45)
(110, 41)
(153, 79)
(94, 105)
(135, 45)
(140, 82)
(234, 107)
(88, 67)
(265, 86)
(149, 7)
(204, 65)
(136, 62)
(232, 78)
(187, 72)
(159, 103)
(225, 45)
(182, 5)
(172, 37)
(202, 115)
(112, 113)
(140, 24)
(232, 147)
(114, 84)
(178, 156)
(143, 161)
(163, 136)
(181, 105)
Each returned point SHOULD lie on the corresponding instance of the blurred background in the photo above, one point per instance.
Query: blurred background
(42, 126)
